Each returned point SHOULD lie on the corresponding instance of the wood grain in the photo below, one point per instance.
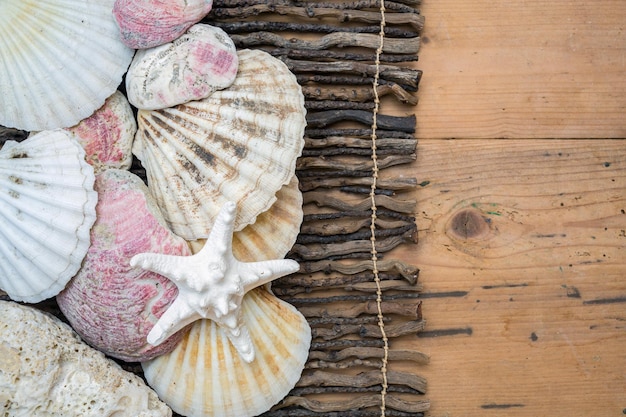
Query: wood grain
(527, 69)
(522, 258)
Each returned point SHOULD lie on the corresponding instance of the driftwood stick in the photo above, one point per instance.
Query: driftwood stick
(341, 390)
(359, 133)
(345, 343)
(409, 272)
(329, 250)
(346, 226)
(356, 402)
(337, 105)
(414, 20)
(360, 4)
(305, 239)
(358, 189)
(311, 282)
(403, 76)
(363, 379)
(326, 118)
(358, 94)
(402, 145)
(350, 298)
(250, 26)
(300, 412)
(334, 39)
(350, 165)
(322, 181)
(402, 218)
(368, 353)
(321, 199)
(367, 330)
(369, 307)
(363, 287)
(339, 55)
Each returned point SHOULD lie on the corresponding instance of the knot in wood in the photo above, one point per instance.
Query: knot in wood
(468, 224)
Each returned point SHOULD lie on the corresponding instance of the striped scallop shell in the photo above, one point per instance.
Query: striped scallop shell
(273, 233)
(47, 207)
(239, 144)
(205, 376)
(61, 60)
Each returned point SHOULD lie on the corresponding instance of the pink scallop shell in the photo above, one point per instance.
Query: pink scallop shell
(111, 305)
(149, 23)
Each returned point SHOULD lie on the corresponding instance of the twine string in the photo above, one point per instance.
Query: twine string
(372, 195)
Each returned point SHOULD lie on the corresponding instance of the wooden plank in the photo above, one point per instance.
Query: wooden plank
(529, 69)
(522, 258)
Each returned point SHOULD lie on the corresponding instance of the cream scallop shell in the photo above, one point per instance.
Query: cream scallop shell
(205, 376)
(239, 144)
(61, 60)
(47, 207)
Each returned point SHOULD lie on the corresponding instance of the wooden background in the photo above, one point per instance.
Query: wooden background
(522, 207)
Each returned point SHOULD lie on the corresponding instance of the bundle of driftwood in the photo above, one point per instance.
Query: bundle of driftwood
(331, 48)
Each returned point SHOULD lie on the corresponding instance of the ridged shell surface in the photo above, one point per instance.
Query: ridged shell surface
(273, 233)
(61, 60)
(199, 62)
(149, 23)
(112, 305)
(205, 376)
(47, 206)
(107, 135)
(45, 370)
(239, 144)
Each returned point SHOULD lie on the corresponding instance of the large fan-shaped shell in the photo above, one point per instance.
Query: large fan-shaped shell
(110, 304)
(273, 233)
(47, 206)
(205, 376)
(107, 135)
(149, 23)
(239, 144)
(191, 67)
(45, 370)
(61, 60)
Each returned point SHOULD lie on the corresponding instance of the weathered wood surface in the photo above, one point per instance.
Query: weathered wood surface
(526, 69)
(522, 256)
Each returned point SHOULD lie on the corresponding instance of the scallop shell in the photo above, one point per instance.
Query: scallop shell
(191, 67)
(273, 233)
(149, 23)
(62, 59)
(45, 370)
(110, 304)
(239, 144)
(47, 206)
(107, 135)
(205, 376)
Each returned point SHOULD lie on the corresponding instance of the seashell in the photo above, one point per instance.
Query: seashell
(149, 23)
(107, 135)
(213, 380)
(45, 370)
(112, 305)
(191, 67)
(239, 144)
(62, 59)
(47, 206)
(274, 232)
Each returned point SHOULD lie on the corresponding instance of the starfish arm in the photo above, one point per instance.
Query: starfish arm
(254, 274)
(222, 230)
(169, 266)
(177, 316)
(241, 340)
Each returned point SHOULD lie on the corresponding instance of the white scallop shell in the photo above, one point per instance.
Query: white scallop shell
(45, 370)
(205, 376)
(191, 67)
(107, 135)
(274, 232)
(47, 207)
(61, 60)
(239, 144)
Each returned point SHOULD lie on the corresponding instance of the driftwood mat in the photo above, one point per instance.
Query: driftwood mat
(331, 48)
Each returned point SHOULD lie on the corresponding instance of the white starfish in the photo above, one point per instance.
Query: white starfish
(211, 284)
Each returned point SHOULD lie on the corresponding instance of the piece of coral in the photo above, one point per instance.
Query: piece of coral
(46, 371)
